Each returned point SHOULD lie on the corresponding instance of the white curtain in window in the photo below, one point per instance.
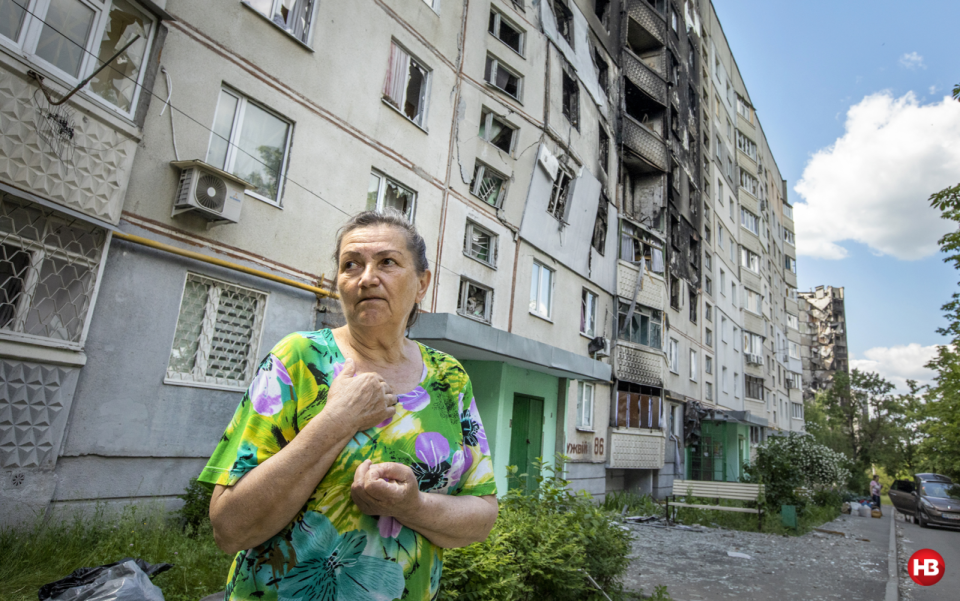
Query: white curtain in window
(396, 81)
(657, 261)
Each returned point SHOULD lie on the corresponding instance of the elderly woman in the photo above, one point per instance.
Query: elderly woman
(357, 454)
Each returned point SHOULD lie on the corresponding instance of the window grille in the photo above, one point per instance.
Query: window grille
(48, 271)
(218, 334)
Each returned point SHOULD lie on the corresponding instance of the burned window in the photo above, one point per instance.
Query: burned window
(499, 76)
(604, 144)
(564, 20)
(693, 304)
(635, 246)
(603, 71)
(559, 194)
(602, 10)
(406, 84)
(571, 98)
(506, 32)
(638, 406)
(496, 131)
(675, 292)
(599, 241)
(675, 231)
(488, 184)
(475, 301)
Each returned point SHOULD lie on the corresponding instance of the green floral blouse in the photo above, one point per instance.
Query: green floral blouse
(331, 551)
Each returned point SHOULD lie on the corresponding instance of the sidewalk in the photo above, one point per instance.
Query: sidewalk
(695, 565)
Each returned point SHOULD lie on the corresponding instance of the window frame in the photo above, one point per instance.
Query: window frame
(479, 172)
(423, 113)
(748, 258)
(796, 410)
(673, 355)
(654, 323)
(747, 146)
(307, 39)
(495, 65)
(708, 364)
(465, 284)
(789, 237)
(585, 297)
(567, 19)
(233, 147)
(584, 409)
(382, 189)
(499, 18)
(538, 270)
(32, 26)
(570, 98)
(694, 371)
(467, 243)
(253, 357)
(790, 264)
(746, 216)
(487, 117)
(561, 186)
(749, 184)
(749, 306)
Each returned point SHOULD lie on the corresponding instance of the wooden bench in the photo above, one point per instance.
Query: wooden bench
(736, 491)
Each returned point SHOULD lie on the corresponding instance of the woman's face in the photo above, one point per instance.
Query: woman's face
(377, 277)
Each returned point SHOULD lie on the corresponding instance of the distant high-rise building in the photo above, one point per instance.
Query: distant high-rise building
(823, 337)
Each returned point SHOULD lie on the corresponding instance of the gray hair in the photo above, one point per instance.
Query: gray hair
(391, 218)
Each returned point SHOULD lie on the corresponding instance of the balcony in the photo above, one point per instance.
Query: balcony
(652, 292)
(650, 82)
(636, 449)
(639, 366)
(646, 27)
(648, 145)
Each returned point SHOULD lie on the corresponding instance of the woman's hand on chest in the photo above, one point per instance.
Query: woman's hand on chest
(385, 489)
(360, 401)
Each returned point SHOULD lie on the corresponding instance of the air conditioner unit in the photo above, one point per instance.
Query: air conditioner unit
(599, 347)
(754, 359)
(212, 192)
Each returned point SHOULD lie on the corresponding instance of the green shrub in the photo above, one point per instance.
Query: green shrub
(635, 504)
(195, 512)
(784, 464)
(543, 546)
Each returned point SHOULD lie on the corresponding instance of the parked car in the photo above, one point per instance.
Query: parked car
(929, 498)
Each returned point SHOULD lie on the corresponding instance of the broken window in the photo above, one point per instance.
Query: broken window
(636, 246)
(293, 16)
(588, 313)
(674, 20)
(499, 76)
(749, 221)
(638, 406)
(541, 290)
(693, 304)
(488, 185)
(645, 327)
(405, 86)
(675, 231)
(603, 71)
(604, 145)
(749, 183)
(506, 32)
(599, 241)
(746, 145)
(602, 10)
(384, 193)
(675, 292)
(754, 388)
(564, 20)
(571, 97)
(496, 131)
(250, 142)
(750, 260)
(559, 195)
(480, 243)
(475, 301)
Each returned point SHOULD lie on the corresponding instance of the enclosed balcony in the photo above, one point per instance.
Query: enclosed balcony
(643, 72)
(636, 449)
(646, 27)
(643, 139)
(639, 364)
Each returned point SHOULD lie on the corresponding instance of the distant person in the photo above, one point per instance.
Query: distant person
(875, 488)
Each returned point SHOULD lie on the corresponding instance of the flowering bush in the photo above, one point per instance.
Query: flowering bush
(784, 464)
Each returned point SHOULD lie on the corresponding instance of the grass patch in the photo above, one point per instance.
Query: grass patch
(810, 517)
(32, 557)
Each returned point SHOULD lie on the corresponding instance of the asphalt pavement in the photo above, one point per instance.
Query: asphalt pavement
(946, 542)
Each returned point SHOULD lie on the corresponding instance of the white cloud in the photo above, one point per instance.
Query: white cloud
(912, 60)
(897, 364)
(872, 184)
(933, 89)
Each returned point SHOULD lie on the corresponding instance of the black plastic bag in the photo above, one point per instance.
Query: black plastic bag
(87, 576)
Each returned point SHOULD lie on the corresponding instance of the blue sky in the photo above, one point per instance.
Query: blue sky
(805, 65)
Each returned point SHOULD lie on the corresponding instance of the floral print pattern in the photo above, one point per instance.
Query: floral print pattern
(331, 550)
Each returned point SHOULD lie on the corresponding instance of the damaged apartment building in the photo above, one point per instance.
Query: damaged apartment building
(823, 334)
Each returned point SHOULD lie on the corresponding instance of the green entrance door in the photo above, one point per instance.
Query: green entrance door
(526, 439)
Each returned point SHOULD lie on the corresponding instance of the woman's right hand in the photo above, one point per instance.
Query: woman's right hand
(360, 401)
